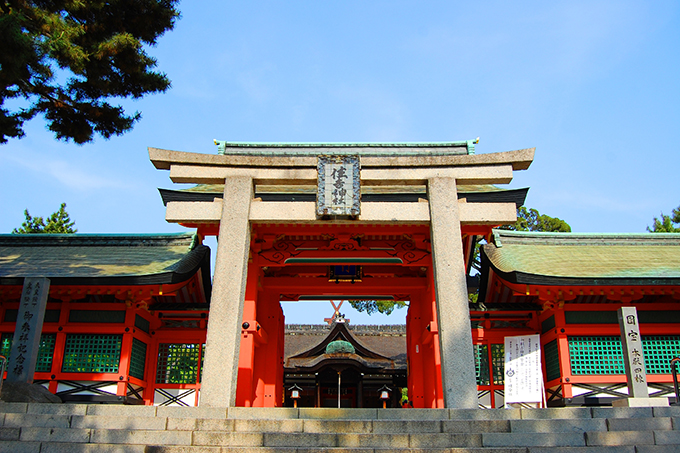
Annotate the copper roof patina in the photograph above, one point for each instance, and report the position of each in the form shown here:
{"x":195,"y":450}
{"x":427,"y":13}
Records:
{"x":100,"y":259}
{"x":339,"y":148}
{"x":584,"y":259}
{"x":382,"y":346}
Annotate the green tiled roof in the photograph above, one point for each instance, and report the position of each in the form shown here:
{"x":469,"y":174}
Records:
{"x":92,"y":259}
{"x":585,"y":259}
{"x":362,"y":149}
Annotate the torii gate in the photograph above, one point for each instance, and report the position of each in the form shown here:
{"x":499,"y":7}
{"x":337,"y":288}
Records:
{"x":441,"y":167}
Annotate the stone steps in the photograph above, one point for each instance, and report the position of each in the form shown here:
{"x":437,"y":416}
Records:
{"x":74,"y":428}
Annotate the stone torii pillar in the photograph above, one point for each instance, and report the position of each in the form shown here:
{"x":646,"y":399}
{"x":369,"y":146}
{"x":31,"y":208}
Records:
{"x":453,"y":314}
{"x":220,"y":371}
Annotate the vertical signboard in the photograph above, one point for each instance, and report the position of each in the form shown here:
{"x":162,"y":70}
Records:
{"x":26,"y":342}
{"x":523,"y":374}
{"x":339,"y":186}
{"x":633,"y":355}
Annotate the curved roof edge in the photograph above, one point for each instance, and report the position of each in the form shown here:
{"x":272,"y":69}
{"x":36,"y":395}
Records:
{"x":570,"y":239}
{"x":104,"y":259}
{"x":582,"y":259}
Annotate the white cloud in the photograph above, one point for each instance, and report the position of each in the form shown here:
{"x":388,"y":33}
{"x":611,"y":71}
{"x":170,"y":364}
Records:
{"x":67,"y":173}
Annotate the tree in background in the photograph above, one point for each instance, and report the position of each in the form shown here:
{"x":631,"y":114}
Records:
{"x":527,"y":220}
{"x":57,"y":223}
{"x":532,"y":220}
{"x":66,"y":59}
{"x":667,"y":223}
{"x":385,"y":307}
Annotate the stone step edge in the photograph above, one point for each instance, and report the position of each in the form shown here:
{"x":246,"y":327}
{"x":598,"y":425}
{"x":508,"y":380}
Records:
{"x":139,"y":448}
{"x":346,"y":414}
{"x":142,"y":433}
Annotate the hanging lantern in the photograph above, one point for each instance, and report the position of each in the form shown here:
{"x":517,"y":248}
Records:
{"x":384,"y":395}
{"x":295,"y":393}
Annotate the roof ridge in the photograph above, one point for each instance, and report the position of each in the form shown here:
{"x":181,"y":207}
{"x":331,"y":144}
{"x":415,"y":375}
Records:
{"x":42,"y":239}
{"x":343,"y":144}
{"x":510,"y":235}
{"x":225,"y":147}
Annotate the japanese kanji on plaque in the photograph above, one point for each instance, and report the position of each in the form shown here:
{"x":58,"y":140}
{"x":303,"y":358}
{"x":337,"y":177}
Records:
{"x":339,"y":186}
{"x":523,"y":375}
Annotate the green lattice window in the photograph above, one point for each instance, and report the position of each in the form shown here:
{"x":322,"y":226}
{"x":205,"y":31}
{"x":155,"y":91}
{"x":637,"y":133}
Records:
{"x":482,"y":364}
{"x":177,"y":363}
{"x":498,"y":363}
{"x":200,"y":374}
{"x":659,"y":350}
{"x":85,"y":353}
{"x":603,"y":355}
{"x":43,"y":363}
{"x":596,"y":355}
{"x":6,"y":344}
{"x":137,"y":359}
{"x":552,"y":361}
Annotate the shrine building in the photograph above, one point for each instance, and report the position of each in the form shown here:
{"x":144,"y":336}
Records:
{"x":136,"y":319}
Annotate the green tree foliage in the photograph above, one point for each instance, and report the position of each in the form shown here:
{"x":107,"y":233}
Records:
{"x":57,"y":223}
{"x":532,"y":220}
{"x":68,"y":59}
{"x":528,"y":220}
{"x":385,"y":307}
{"x":667,"y":223}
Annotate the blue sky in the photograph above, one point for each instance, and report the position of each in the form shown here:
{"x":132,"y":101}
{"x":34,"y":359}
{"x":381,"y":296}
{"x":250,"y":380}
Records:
{"x":592,"y":85}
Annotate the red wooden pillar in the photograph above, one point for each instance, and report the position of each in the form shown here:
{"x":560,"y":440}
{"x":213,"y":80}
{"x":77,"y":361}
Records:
{"x":268,"y":369}
{"x":59,"y":346}
{"x":436,"y":353}
{"x":246,"y":361}
{"x":281,"y":336}
{"x":563,"y":349}
{"x":414,"y":329}
{"x":150,"y":371}
{"x":433,"y":395}
{"x":125,"y":353}
{"x":424,"y":358}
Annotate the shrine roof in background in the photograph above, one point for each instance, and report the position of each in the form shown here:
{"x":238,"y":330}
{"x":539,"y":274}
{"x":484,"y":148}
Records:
{"x":386,"y":341}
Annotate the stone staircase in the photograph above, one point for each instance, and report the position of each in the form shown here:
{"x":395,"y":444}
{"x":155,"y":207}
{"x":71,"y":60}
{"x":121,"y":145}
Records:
{"x":75,"y":428}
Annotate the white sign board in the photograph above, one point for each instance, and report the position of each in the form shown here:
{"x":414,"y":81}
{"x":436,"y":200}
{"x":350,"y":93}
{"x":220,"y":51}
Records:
{"x":523,"y":374}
